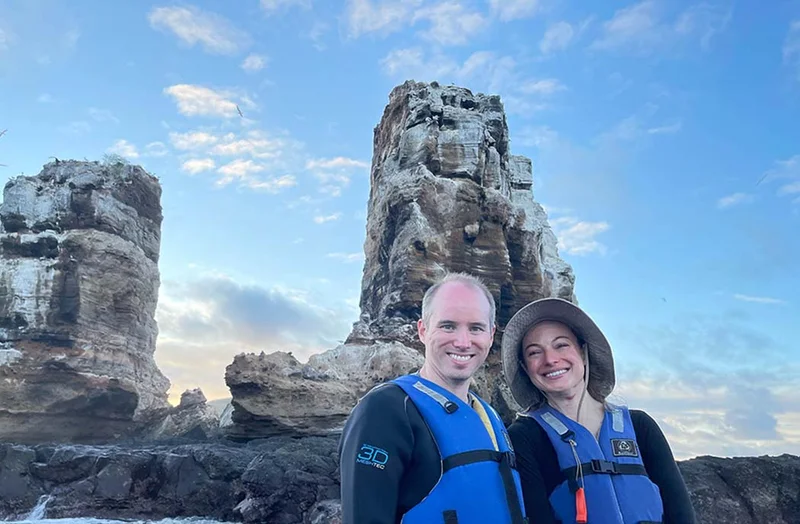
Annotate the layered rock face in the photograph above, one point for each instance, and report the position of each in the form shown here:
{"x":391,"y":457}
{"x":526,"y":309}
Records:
{"x":192,"y":418}
{"x":445,"y":193}
{"x":79,"y":279}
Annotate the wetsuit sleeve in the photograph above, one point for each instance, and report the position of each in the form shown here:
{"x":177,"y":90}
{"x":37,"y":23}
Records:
{"x":663,"y":470}
{"x":534,"y":489}
{"x":374,"y":451}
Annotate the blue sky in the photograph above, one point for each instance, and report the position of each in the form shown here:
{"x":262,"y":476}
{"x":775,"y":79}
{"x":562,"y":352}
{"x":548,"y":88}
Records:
{"x":664,"y":139}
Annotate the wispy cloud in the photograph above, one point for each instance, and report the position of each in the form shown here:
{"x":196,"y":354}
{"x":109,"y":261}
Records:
{"x":783,"y":171}
{"x":758,"y":300}
{"x":346,"y":257}
{"x":337,"y":162}
{"x":192,"y":140}
{"x":577,"y":237}
{"x":733,"y":200}
{"x":198,"y":165}
{"x":156,"y":149}
{"x":545,"y":87}
{"x":254,"y":63}
{"x":102,"y":115}
{"x":386,"y":16}
{"x":124,"y":149}
{"x":6,"y":39}
{"x":322,"y":219}
{"x":195,"y":100}
{"x":451,"y":23}
{"x":271,"y":6}
{"x":193,"y":26}
{"x":791,"y":46}
{"x":507,"y":10}
{"x":45,"y":98}
{"x":667,"y":129}
{"x":557,"y":37}
{"x":641,"y":28}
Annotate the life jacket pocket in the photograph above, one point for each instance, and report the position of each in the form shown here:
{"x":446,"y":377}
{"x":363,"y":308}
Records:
{"x":450,"y":516}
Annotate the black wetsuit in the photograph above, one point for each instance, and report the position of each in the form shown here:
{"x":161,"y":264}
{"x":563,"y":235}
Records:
{"x":387,"y":419}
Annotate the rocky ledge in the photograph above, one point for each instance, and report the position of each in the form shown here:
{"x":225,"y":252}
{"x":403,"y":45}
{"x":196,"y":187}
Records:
{"x":282,"y":480}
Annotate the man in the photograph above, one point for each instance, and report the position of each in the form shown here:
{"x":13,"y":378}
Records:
{"x":423,"y":449}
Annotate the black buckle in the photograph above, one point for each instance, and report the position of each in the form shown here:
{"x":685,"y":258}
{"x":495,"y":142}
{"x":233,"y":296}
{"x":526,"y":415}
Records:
{"x":604,"y":466}
{"x":511,"y":459}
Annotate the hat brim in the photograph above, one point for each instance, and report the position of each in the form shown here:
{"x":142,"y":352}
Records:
{"x":601,"y":360}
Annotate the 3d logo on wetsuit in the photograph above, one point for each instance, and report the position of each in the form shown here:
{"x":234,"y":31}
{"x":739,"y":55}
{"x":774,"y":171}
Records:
{"x":372,"y":456}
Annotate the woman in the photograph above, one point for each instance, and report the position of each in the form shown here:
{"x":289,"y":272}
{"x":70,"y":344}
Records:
{"x":580,"y":458}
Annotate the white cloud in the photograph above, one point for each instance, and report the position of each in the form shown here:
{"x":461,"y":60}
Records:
{"x":667,"y":129}
{"x":734,"y":199}
{"x":79,"y":127}
{"x":45,"y":98}
{"x":759,"y":300}
{"x":544,"y":87}
{"x":577,"y":237}
{"x":387,"y":16}
{"x":346,"y":257}
{"x":124,"y":149}
{"x":274,"y":5}
{"x":791,"y":46}
{"x":539,"y":136}
{"x":514,"y":9}
{"x":243,"y":170}
{"x":337,"y":162}
{"x":785,"y":170}
{"x":198,"y":165}
{"x":705,"y":20}
{"x":5,"y":40}
{"x":271,"y":185}
{"x":557,"y":37}
{"x":321,"y":219}
{"x":192,"y":140}
{"x":636,"y":24}
{"x":194,"y":26}
{"x":194,"y":100}
{"x":315,"y":34}
{"x":450,"y":23}
{"x":254,"y":62}
{"x":102,"y":115}
{"x":790,"y":189}
{"x":640,"y":28}
{"x":156,"y":149}
{"x":255,"y":143}
{"x":238,"y":168}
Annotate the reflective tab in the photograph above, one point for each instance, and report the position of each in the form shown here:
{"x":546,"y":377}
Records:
{"x":556,"y":424}
{"x":618,"y":422}
{"x":438,"y":397}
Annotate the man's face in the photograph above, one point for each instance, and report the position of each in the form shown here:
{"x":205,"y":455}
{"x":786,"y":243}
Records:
{"x":458,"y":335}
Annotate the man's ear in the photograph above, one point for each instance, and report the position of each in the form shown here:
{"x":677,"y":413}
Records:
{"x":421,"y":330}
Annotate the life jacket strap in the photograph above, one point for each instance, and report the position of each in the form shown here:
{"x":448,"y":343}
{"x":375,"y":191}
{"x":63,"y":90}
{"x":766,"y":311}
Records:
{"x":507,"y":462}
{"x":600,"y":467}
{"x":448,"y":405}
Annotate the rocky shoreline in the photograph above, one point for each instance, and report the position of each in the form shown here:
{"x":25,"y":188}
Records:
{"x":283,"y":480}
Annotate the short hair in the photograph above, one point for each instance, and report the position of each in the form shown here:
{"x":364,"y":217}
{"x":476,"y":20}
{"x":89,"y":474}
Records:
{"x":462,"y":278}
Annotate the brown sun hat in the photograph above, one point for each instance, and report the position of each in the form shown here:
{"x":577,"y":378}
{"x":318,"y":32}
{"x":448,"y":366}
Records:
{"x":601,"y":361}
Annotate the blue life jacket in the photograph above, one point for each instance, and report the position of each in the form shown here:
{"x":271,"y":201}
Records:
{"x":616,"y":486}
{"x":478,"y":484}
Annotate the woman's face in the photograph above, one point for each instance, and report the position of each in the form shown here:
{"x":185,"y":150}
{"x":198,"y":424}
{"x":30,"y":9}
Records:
{"x":553,"y":359}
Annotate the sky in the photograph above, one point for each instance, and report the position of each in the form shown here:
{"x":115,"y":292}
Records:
{"x":665,"y":140}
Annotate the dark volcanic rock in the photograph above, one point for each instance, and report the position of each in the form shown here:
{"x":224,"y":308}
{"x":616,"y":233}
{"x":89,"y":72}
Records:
{"x":284,"y":480}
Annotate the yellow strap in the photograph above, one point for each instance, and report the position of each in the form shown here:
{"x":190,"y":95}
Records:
{"x":478,"y":407}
